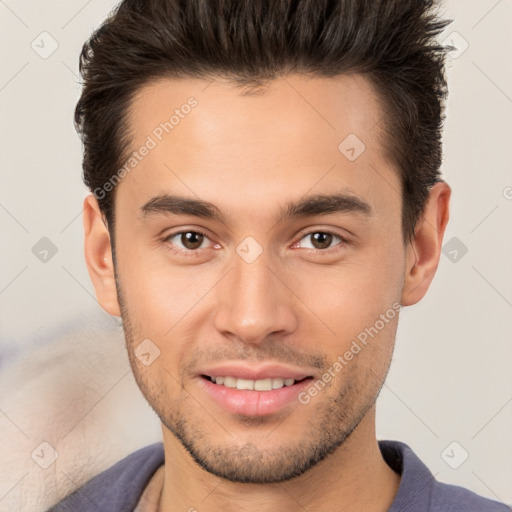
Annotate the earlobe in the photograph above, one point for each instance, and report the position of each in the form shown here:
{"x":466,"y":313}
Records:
{"x":424,"y":251}
{"x":98,"y":256}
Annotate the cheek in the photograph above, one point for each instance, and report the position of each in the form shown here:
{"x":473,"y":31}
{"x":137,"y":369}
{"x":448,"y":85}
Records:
{"x":158,"y":294}
{"x":351,"y":297}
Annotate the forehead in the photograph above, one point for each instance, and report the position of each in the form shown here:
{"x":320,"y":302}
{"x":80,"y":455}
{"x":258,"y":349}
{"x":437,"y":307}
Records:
{"x":295,"y":105}
{"x":295,"y":135}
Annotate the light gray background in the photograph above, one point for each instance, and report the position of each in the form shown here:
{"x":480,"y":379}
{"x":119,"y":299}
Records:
{"x":64,"y":376}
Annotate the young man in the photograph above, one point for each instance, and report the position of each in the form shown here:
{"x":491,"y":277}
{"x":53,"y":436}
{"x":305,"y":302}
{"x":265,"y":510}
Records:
{"x":265,"y":198}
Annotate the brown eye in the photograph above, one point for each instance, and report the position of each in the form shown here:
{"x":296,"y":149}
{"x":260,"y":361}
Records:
{"x":186,"y":242}
{"x":191,"y":239}
{"x":321,"y":240}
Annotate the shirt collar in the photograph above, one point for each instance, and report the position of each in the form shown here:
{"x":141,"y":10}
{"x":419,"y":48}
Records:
{"x":416,"y":483}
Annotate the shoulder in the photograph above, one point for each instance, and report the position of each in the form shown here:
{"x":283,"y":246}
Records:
{"x":452,"y":498}
{"x":118,"y":488}
{"x":421,"y":492}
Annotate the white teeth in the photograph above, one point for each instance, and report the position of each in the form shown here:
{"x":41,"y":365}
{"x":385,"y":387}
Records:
{"x":253,"y":385}
{"x":263,"y":385}
{"x":245,"y":384}
{"x":230,"y":382}
{"x":277,"y":383}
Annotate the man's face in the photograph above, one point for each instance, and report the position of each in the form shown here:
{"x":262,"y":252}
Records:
{"x":257,"y":293}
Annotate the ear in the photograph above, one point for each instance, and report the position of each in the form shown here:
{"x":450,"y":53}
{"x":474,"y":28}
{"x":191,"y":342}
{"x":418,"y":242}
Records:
{"x":424,"y":251}
{"x":98,"y":256}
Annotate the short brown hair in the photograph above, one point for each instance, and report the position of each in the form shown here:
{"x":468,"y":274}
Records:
{"x":393,"y":42}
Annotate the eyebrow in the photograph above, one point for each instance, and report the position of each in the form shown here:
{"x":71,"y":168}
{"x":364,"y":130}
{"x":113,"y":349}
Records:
{"x":319,"y":204}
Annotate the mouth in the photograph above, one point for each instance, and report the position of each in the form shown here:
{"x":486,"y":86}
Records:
{"x":253,"y":397}
{"x":267,"y":384}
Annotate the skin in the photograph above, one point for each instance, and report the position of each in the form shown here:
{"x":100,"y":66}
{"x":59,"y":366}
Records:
{"x":248,"y":155}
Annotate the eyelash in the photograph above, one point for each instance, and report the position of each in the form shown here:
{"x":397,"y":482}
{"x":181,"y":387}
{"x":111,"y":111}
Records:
{"x":197,"y":252}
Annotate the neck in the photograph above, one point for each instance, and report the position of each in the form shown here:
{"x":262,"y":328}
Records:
{"x":354,"y":477}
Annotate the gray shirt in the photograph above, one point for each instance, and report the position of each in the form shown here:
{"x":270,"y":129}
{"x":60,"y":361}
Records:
{"x":119,"y":488}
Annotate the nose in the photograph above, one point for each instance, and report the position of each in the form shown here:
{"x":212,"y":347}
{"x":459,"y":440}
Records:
{"x":254,"y":303}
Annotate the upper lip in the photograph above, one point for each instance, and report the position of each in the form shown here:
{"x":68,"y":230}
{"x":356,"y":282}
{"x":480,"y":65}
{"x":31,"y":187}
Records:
{"x":255,"y":372}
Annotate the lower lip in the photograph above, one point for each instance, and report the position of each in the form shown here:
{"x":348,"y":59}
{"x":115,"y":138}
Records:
{"x":253,"y":403}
